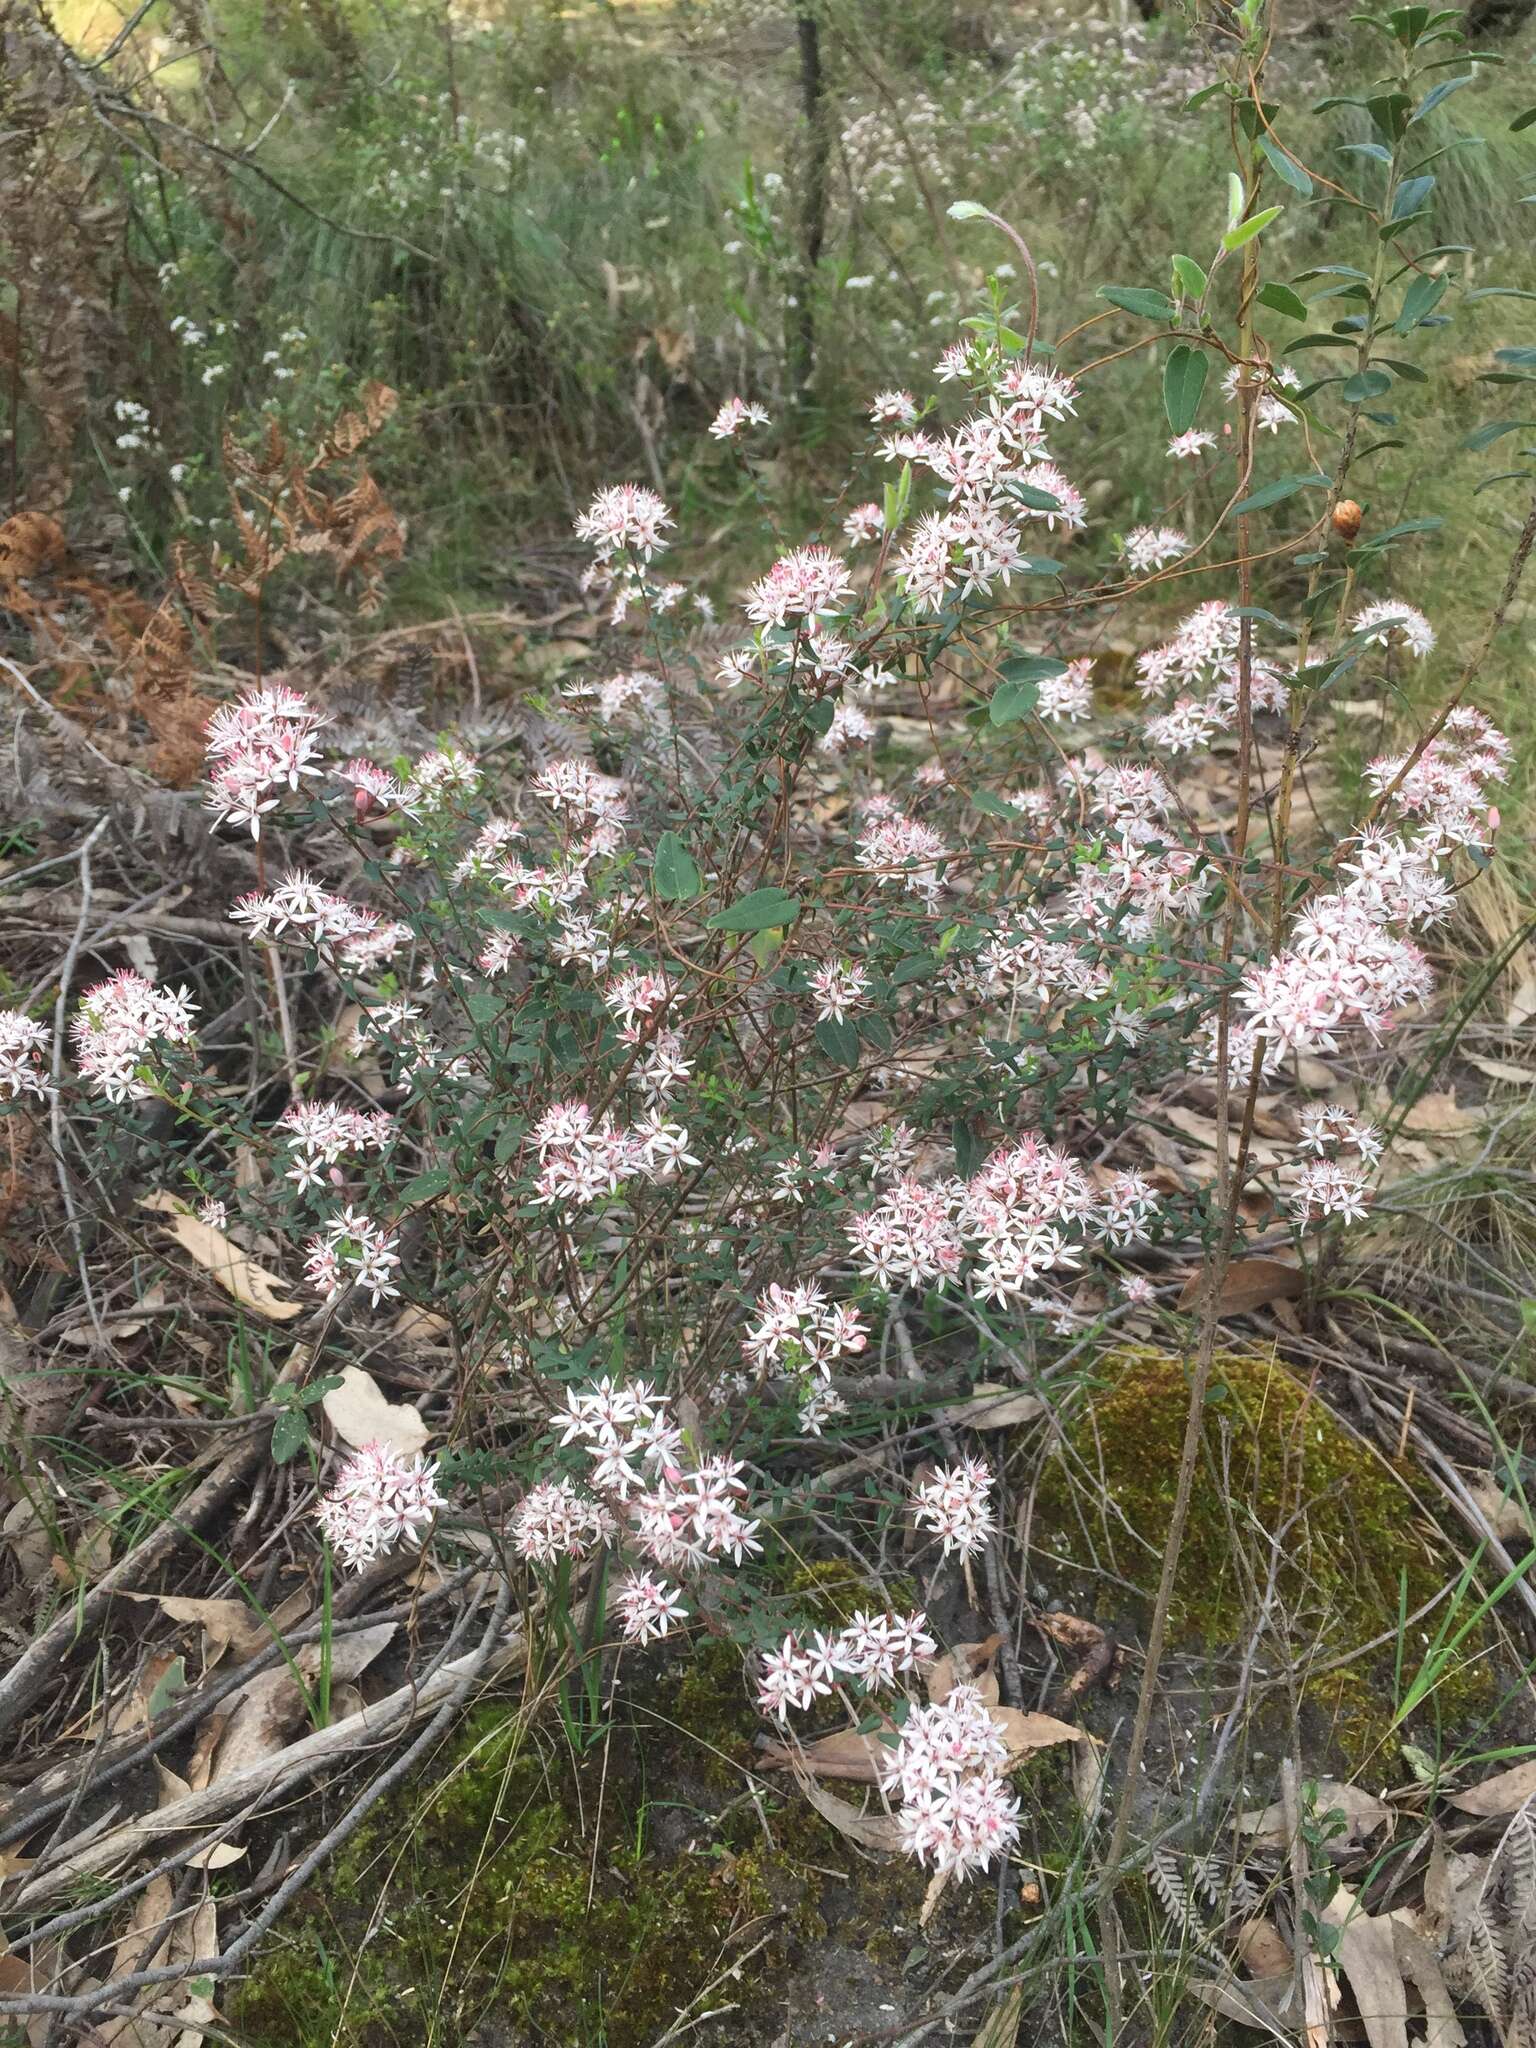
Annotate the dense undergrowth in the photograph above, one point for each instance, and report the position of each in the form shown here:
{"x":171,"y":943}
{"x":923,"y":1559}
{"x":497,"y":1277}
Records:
{"x":785,"y":1027}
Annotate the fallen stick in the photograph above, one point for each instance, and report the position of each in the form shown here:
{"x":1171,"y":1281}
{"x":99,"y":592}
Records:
{"x":271,"y":1776}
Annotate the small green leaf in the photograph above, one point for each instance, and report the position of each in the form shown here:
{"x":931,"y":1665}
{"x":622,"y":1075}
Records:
{"x":1036,"y":499}
{"x":1523,"y":121}
{"x":1245,"y":230}
{"x":1283,"y":487}
{"x":1188,"y":277}
{"x":674,"y":872}
{"x":1364,"y":386}
{"x":435,"y":1181}
{"x":759,"y":911}
{"x":1013,"y":700}
{"x":967,"y":209}
{"x":1411,"y":196}
{"x":840,"y":1042}
{"x":1138,"y":299}
{"x":1281,"y":299}
{"x":1390,"y":111}
{"x":1494,"y":430}
{"x":290,"y":1433}
{"x":170,"y":1682}
{"x":1031,"y":668}
{"x":1442,"y":91}
{"x":1290,"y":173}
{"x":1420,"y":299}
{"x":1184,"y":376}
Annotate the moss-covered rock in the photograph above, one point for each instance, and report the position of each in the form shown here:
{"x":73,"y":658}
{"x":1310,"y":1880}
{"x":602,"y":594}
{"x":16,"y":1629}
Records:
{"x":1280,"y":1482}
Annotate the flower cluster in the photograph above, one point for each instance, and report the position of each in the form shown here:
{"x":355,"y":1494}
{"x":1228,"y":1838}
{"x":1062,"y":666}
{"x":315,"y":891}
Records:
{"x":873,"y":1651}
{"x":798,"y":1331}
{"x":1328,"y":1184}
{"x":353,"y":1250}
{"x":381,"y":1497}
{"x":305,"y":912}
{"x":956,"y":1504}
{"x":584,"y":1158}
{"x":318,"y":1134}
{"x":735,"y":414}
{"x":119,"y":1024}
{"x":896,"y":848}
{"x":640,"y":1494}
{"x":956,"y":1811}
{"x":1032,"y":1209}
{"x":259,"y":749}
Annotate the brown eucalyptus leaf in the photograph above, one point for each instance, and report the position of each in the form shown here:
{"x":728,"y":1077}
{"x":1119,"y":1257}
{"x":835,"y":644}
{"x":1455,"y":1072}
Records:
{"x":360,"y":1414}
{"x":869,"y":1830}
{"x":1367,"y":1955}
{"x":1264,"y":1950}
{"x":1502,"y":1070}
{"x":272,"y":1705}
{"x":1025,"y":1733}
{"x":224,"y":1262}
{"x":1505,"y":1792}
{"x":1070,"y":1630}
{"x":992,"y":1407}
{"x":965,"y":1664}
{"x":1420,"y":1966}
{"x":1248,"y":1284}
{"x":1262,"y":2002}
{"x":1000,"y":2029}
{"x":848,"y":1755}
{"x":1364,"y":1814}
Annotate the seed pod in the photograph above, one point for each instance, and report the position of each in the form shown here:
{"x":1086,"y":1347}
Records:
{"x":1346,"y":518}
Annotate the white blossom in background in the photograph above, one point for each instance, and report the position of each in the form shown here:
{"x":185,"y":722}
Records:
{"x":23,"y":1041}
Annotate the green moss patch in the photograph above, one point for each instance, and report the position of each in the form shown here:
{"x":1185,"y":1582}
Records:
{"x":530,"y":1891}
{"x":1280,"y":1483}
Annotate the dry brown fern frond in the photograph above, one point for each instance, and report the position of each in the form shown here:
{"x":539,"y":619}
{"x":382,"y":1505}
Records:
{"x":153,"y":647}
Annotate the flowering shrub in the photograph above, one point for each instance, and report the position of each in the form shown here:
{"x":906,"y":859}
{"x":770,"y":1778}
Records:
{"x":675,"y":1085}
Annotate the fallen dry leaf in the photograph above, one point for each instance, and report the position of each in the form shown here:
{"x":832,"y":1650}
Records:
{"x":1364,"y":1814}
{"x":1522,"y":1004}
{"x":1438,"y":1116}
{"x":1503,"y":1513}
{"x":1070,"y":1630}
{"x":359,"y":1413}
{"x":1367,"y":1954}
{"x":1502,"y":1070}
{"x":1248,"y":1284}
{"x":992,"y":1407}
{"x":1025,"y":1733}
{"x":421,"y":1327}
{"x":1000,"y":2029}
{"x":238,"y":1274}
{"x":1417,"y":1961}
{"x":869,"y":1830}
{"x":965,"y":1664}
{"x":1504,"y":1792}
{"x":218,"y":1855}
{"x":226,"y":1624}
{"x":1262,"y":2002}
{"x":847,"y":1755}
{"x":1263,"y":1949}
{"x":272,"y":1704}
{"x":30,"y":1544}
{"x":1193,"y":1123}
